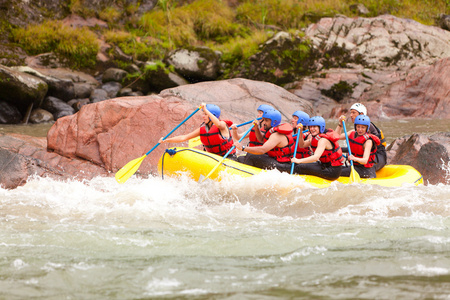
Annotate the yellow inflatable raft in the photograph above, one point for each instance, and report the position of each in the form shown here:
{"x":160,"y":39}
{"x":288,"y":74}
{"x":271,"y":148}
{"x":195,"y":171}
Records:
{"x":197,"y":164}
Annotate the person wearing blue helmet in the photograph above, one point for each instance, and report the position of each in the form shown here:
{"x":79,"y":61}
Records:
{"x":277,"y":147}
{"x":299,"y":121}
{"x":363,"y":146}
{"x":255,"y":137}
{"x":326,"y":160}
{"x":358,"y":109}
{"x":214,"y":133}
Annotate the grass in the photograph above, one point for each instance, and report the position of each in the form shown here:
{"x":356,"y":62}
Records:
{"x":79,"y":47}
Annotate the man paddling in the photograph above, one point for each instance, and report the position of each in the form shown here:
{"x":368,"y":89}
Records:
{"x":278,"y":145}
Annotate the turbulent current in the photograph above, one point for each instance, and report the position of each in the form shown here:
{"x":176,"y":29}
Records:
{"x":266,"y":237}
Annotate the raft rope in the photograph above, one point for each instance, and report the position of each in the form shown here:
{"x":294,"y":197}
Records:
{"x":174,"y":151}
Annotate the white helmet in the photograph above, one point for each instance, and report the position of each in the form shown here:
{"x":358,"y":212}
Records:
{"x":359,"y":108}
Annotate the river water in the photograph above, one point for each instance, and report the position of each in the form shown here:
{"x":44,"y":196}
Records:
{"x":266,"y":237}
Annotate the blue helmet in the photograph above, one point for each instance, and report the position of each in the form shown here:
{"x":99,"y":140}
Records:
{"x":264,"y":107}
{"x":274,"y":115}
{"x":302,"y":117}
{"x":362,"y":120}
{"x":214,"y":109}
{"x":318,"y":121}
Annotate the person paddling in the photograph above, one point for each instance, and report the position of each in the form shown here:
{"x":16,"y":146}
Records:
{"x":277,"y":147}
{"x":256,"y":135}
{"x":326,"y":161}
{"x":300,"y":117}
{"x":363,"y":146}
{"x":359,"y":109}
{"x":214,"y":133}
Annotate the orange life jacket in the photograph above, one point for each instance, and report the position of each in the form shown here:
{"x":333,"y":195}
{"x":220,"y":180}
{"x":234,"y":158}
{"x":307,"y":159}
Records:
{"x":282,"y":154}
{"x":357,"y":146}
{"x":333,"y":156}
{"x":214,"y":142}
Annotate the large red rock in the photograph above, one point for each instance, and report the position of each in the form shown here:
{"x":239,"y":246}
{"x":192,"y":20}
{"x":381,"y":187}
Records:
{"x":22,"y":156}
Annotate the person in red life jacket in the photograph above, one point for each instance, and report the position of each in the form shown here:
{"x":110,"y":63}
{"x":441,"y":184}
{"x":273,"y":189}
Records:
{"x":359,"y":109}
{"x":256,"y":135}
{"x":301,"y":119}
{"x":214,"y":133}
{"x":363,"y":146}
{"x":276,"y":151}
{"x":326,"y":161}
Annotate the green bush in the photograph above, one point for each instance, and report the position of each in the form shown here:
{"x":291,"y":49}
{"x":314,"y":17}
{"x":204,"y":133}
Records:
{"x":78,"y":46}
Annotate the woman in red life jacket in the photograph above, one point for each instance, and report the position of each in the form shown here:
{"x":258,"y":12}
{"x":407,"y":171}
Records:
{"x":276,"y":151}
{"x":326,"y":161}
{"x":358,"y":109}
{"x":214,"y":133}
{"x":300,"y":117}
{"x":363,"y":146}
{"x":256,"y":135}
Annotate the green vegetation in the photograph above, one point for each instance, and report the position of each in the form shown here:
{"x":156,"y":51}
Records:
{"x":236,"y":31}
{"x":78,"y":46}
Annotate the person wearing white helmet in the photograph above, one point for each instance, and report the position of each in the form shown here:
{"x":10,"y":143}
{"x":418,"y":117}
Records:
{"x":214,"y":133}
{"x":359,"y":109}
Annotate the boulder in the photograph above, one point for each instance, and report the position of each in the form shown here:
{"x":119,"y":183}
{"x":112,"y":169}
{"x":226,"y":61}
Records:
{"x":59,"y":88}
{"x":21,"y":89}
{"x":112,"y":88}
{"x":24,"y":156}
{"x":196,"y":64}
{"x":381,"y":42}
{"x":429,"y":154}
{"x":40,"y":116}
{"x":57,"y":107}
{"x":9,"y":114}
{"x":114,"y":74}
{"x":98,"y":95}
{"x":160,"y":78}
{"x":420,"y":92}
{"x":113,"y":132}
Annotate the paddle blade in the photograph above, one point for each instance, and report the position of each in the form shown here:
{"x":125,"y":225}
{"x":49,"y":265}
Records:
{"x":354,"y":176}
{"x":212,"y":171}
{"x":129,"y":169}
{"x":194,"y":142}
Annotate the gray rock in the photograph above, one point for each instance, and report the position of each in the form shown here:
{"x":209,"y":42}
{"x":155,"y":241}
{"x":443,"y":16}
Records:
{"x":98,"y":95}
{"x":112,"y":88}
{"x":444,"y":22}
{"x":21,"y":89}
{"x":57,"y":107}
{"x":114,"y":74}
{"x":40,"y":116}
{"x":197,"y":64}
{"x":9,"y":114}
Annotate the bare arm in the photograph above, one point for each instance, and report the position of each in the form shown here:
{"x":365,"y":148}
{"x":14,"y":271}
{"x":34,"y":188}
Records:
{"x":258,"y":133}
{"x":181,"y":138}
{"x":234,"y":133}
{"x":317,"y":154}
{"x":367,"y":147}
{"x":271,"y":143}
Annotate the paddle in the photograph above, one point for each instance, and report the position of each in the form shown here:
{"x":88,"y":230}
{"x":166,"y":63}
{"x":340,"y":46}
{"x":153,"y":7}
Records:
{"x":229,"y":151}
{"x":354,"y":176}
{"x":130,"y":168}
{"x":295,"y":152}
{"x":194,"y":142}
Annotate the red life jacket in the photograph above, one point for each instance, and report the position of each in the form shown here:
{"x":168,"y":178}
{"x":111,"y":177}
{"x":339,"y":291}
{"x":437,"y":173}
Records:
{"x":333,"y":156}
{"x":214,"y":142}
{"x":253,"y":140}
{"x":305,"y":151}
{"x":282,"y":154}
{"x":357,"y":146}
